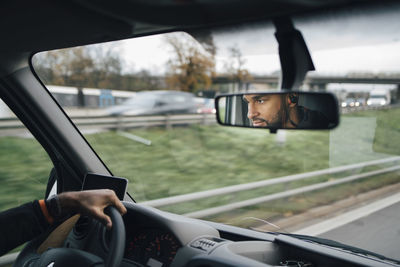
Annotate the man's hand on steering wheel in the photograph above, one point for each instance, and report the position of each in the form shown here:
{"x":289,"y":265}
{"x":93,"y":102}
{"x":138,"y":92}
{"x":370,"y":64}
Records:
{"x":93,"y":203}
{"x":90,"y":202}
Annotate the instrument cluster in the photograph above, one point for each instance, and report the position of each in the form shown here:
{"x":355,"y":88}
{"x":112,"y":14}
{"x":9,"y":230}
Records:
{"x":151,"y":247}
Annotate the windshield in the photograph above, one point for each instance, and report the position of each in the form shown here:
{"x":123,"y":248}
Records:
{"x":318,"y":183}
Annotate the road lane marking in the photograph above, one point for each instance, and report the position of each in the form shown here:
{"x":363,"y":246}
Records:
{"x":348,"y":217}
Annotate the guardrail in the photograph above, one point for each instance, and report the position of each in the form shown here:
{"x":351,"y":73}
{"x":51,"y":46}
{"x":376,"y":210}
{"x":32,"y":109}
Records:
{"x":279,"y":180}
{"x":289,"y":193}
{"x":123,"y":122}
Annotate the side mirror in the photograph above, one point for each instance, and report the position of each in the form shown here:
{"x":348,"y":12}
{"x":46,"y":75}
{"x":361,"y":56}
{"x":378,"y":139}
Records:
{"x":278,"y":110}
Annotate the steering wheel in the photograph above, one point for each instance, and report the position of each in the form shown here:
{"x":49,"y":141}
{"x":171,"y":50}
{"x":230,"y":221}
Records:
{"x":75,"y":257}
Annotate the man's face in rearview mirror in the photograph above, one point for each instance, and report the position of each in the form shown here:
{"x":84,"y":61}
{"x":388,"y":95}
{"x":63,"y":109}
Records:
{"x":281,"y":111}
{"x":264,"y":110}
{"x":275,"y":110}
{"x":272,"y":110}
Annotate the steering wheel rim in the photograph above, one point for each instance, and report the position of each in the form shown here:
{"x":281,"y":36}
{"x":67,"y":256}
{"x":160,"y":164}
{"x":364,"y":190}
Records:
{"x":117,"y":243}
{"x":69,"y":256}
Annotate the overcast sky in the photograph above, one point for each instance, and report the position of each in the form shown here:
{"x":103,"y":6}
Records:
{"x":365,"y":43}
{"x":151,"y":53}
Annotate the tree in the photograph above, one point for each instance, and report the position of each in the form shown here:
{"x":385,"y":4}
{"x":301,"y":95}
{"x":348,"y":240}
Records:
{"x":235,"y":66}
{"x":96,"y":66}
{"x":107,"y":69}
{"x":192,"y":67}
{"x":65,"y":67}
{"x":84,"y":66}
{"x":142,"y":80}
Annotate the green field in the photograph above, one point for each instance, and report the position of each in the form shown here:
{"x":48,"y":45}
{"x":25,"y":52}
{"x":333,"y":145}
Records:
{"x":188,"y":159}
{"x":24,"y":171}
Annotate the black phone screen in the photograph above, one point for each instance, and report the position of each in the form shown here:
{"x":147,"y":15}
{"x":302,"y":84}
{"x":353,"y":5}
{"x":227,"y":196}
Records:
{"x":96,"y":181}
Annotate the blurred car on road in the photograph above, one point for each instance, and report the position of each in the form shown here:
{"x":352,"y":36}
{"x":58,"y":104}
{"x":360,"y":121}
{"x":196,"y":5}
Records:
{"x":207,"y":107}
{"x":156,"y":103}
{"x":349,"y":102}
{"x":360,"y":102}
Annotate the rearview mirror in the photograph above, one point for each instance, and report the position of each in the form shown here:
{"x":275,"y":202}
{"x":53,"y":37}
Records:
{"x":278,"y":110}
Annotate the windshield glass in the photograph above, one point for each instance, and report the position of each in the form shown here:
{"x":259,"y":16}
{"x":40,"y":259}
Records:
{"x":319,"y":183}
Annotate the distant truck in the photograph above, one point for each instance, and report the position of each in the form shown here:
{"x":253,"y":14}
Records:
{"x":379,"y":97}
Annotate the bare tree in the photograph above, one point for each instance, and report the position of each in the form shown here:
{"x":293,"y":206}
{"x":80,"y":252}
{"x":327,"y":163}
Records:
{"x":235,"y":66}
{"x":84,"y":66}
{"x":107,"y":69}
{"x":97,"y":66}
{"x":69,"y":67}
{"x":192,"y":67}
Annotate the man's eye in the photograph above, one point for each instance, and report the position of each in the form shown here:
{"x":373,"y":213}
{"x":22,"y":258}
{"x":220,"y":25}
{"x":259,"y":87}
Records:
{"x":260,"y":101}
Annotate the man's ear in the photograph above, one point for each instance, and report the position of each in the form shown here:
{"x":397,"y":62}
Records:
{"x":291,"y":100}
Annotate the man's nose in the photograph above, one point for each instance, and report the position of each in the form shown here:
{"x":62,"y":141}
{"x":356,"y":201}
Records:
{"x":252,"y":112}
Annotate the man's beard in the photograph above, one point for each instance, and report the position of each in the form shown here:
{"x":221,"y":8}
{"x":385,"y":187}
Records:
{"x":275,"y":122}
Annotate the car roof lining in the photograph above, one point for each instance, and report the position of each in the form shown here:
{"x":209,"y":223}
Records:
{"x":47,"y":25}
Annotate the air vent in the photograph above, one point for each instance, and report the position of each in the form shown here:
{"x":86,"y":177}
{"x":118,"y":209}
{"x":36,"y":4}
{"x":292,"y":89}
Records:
{"x":206,"y":244}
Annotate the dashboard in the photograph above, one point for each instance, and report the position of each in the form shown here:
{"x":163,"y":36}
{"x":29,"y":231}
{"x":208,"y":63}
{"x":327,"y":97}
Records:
{"x":151,"y":246}
{"x":157,"y":239}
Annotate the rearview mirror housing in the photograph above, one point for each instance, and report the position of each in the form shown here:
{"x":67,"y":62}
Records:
{"x":278,"y":110}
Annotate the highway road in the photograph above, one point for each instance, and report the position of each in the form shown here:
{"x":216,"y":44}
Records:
{"x":378,"y":232}
{"x":374,"y":227}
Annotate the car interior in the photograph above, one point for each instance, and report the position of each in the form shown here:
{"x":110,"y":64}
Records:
{"x":149,"y":236}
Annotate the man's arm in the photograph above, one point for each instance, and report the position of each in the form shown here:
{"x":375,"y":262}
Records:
{"x":20,"y":224}
{"x":23,"y":223}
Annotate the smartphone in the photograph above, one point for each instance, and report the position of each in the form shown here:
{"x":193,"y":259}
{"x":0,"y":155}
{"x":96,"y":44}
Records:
{"x":97,"y":181}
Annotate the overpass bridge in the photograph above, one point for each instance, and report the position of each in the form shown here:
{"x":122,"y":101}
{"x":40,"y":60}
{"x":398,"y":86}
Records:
{"x":316,"y":82}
